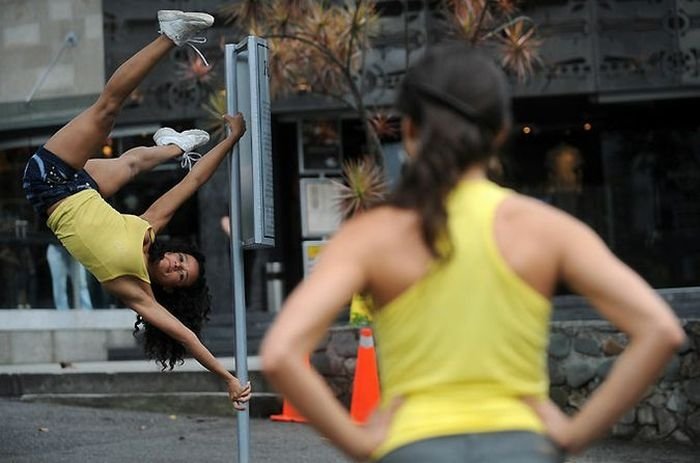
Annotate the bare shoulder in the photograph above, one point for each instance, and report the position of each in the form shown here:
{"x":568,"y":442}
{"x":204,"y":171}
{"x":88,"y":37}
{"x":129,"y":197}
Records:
{"x":534,"y":238}
{"x":522,"y":210}
{"x":379,"y":225}
{"x":386,"y":246}
{"x":525,"y":221}
{"x":521,"y":205}
{"x":370,"y":235}
{"x":390,"y":217}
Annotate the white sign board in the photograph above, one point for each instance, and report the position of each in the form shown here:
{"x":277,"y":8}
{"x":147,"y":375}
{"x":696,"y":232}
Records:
{"x":320,"y":214}
{"x":248,"y":92}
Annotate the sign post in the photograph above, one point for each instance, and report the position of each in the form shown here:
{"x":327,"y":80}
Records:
{"x":251,"y":196}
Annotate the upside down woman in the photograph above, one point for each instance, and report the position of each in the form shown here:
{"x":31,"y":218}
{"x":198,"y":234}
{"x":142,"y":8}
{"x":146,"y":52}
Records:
{"x":164,"y":285}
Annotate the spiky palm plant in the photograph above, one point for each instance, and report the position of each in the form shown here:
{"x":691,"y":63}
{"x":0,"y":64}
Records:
{"x":362,"y":188}
{"x":385,"y":124}
{"x":498,"y":23}
{"x":519,"y":50}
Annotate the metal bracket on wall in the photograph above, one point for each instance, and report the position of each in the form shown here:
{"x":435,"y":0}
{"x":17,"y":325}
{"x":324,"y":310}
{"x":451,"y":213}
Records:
{"x":70,"y":41}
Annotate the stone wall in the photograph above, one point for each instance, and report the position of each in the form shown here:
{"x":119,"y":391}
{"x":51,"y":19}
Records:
{"x":581,"y":354}
{"x":33,"y":33}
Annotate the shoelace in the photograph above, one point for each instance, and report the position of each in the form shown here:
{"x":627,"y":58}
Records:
{"x":198,"y":40}
{"x":188,"y":159}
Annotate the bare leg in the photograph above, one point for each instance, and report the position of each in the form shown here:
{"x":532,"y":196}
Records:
{"x":78,"y":140}
{"x":112,"y":174}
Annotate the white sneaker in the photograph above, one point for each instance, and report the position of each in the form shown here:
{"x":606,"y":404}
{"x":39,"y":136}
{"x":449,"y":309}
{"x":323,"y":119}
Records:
{"x":181,"y":27}
{"x":186,"y":141}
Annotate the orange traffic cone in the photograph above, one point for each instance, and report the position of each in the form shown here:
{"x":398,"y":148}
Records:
{"x":365,"y":388}
{"x":289,"y":413}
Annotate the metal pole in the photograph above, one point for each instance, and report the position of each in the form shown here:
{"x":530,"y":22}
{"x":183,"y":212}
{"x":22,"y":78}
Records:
{"x":239,"y":316}
{"x":238,"y":274}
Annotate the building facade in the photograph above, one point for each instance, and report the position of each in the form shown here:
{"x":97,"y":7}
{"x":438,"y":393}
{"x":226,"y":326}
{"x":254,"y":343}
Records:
{"x":606,"y":129}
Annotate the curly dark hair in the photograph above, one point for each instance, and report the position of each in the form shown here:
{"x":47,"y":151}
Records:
{"x":459,"y":100}
{"x":191,"y":305}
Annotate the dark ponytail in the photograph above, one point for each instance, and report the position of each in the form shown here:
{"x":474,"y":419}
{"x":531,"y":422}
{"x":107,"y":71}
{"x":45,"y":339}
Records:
{"x":458,"y":100}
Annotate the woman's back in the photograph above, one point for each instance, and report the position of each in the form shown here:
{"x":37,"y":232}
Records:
{"x":466,"y":336}
{"x":522,"y":229}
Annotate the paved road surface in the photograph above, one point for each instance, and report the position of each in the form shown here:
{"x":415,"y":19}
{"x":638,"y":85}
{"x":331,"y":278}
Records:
{"x":48,"y":433}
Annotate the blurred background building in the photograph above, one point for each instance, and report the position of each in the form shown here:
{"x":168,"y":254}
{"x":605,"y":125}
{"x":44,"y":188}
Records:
{"x":607,"y":128}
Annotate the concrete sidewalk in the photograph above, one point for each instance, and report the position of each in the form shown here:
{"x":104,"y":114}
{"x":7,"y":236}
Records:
{"x":119,"y":366}
{"x":136,"y":385}
{"x":50,"y":433}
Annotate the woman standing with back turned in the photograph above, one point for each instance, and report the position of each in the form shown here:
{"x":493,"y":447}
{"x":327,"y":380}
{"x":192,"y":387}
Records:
{"x":462,"y":272}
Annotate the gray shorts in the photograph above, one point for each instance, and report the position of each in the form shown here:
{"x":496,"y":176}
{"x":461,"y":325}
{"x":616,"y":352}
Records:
{"x":490,"y":447}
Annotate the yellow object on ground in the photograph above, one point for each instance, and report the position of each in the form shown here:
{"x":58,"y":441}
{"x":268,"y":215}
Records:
{"x":361,"y":310}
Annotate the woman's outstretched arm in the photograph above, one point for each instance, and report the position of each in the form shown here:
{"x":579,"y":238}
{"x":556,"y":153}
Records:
{"x":162,"y":210}
{"x":136,"y":296}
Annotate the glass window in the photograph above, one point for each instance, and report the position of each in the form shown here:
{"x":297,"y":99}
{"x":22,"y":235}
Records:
{"x":638,"y":188}
{"x":24,"y":276}
{"x":653,"y":178}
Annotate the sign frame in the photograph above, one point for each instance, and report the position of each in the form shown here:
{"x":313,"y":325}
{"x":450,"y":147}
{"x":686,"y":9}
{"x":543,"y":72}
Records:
{"x":248,"y":92}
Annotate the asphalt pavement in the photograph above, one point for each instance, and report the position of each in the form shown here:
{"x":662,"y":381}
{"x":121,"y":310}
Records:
{"x":51,"y":433}
{"x":43,"y":433}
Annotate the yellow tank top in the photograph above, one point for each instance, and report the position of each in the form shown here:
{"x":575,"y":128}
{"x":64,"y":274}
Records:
{"x":466,"y":341}
{"x":107,"y":243}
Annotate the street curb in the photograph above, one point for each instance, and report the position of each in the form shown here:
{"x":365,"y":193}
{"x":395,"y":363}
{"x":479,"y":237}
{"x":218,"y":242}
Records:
{"x":262,"y":404}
